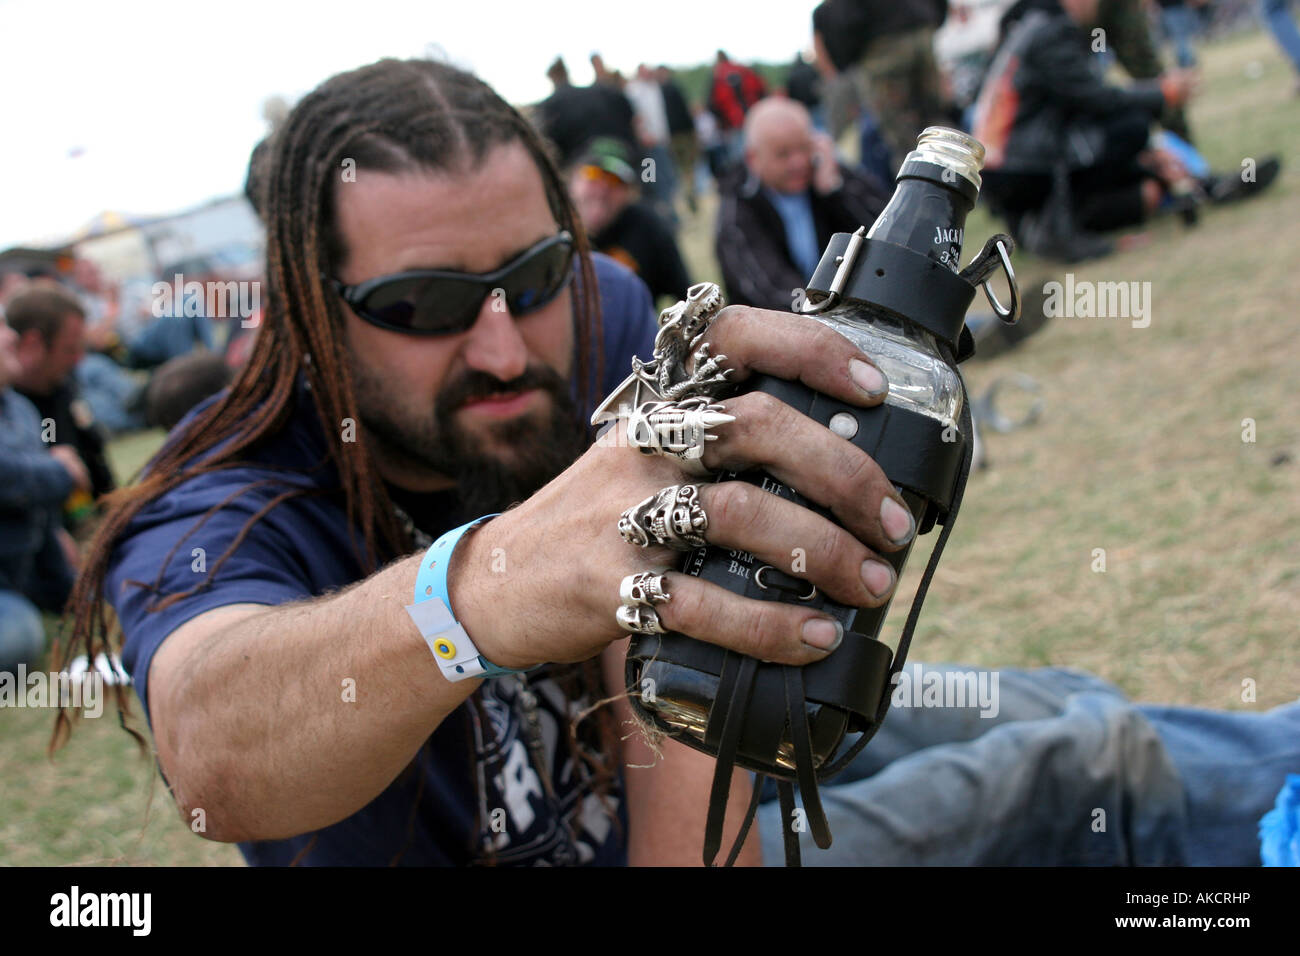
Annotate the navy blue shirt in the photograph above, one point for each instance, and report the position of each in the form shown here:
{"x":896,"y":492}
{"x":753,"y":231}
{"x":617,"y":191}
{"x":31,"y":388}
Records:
{"x":440,"y":809}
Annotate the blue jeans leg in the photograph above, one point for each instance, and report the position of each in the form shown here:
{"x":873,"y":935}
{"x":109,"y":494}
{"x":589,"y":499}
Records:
{"x":22,"y":635}
{"x":1277,"y":16}
{"x":1180,"y":26}
{"x":108,"y":389}
{"x":1021,"y":695}
{"x":1068,"y":772}
{"x":1232,"y":764}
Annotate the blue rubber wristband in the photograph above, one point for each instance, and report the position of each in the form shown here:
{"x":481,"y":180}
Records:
{"x":456,"y":653}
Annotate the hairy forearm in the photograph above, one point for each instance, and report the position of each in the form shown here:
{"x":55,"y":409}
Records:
{"x":292,"y":718}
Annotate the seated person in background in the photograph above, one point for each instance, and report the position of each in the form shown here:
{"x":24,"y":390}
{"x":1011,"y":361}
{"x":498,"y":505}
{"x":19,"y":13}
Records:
{"x":51,"y":328}
{"x":35,"y":551}
{"x":1068,"y":153}
{"x":1128,"y":31}
{"x":779,"y":211}
{"x":604,"y":188}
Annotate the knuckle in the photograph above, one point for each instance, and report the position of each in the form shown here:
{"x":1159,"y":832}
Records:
{"x":730,"y":313}
{"x":859,"y":473}
{"x":784,"y":419}
{"x":838,"y":557}
{"x":687,"y":611}
{"x":822,"y":337}
{"x":829,"y":548}
{"x":771,"y":632}
{"x":748,"y":426}
{"x":767,"y":424}
{"x":766,"y":411}
{"x":729,"y":324}
{"x":731,"y":505}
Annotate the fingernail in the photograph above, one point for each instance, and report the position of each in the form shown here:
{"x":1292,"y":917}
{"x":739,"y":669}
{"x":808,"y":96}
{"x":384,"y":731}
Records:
{"x":868,"y":378}
{"x":823,"y":633}
{"x":897,"y":521}
{"x":878,"y":577}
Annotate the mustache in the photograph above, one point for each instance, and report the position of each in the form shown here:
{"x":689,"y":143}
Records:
{"x":474,"y":384}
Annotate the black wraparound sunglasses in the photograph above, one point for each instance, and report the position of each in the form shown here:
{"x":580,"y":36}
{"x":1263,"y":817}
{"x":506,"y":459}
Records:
{"x":439,"y":302}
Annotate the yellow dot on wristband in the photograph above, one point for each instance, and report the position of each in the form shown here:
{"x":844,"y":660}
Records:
{"x":445,"y":649}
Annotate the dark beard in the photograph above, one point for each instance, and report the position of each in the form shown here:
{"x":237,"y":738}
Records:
{"x":485,"y":482}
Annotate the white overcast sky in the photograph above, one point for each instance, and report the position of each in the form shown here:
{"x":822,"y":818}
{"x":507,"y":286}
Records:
{"x":145,"y":107}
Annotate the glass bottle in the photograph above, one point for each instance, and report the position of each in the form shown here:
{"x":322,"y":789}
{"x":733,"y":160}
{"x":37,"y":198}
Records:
{"x":937,"y":186}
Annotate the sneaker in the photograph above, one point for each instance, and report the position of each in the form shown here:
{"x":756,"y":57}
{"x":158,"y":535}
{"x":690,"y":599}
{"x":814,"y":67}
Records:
{"x":1227,"y":187}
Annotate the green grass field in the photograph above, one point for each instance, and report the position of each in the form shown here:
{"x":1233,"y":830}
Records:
{"x":1139,"y":453}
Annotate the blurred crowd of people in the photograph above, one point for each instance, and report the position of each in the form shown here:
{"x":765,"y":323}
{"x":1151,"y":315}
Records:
{"x":76,"y":369}
{"x":1071,"y":156}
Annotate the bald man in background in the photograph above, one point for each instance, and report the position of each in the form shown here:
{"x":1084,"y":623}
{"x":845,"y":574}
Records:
{"x":781,"y":208}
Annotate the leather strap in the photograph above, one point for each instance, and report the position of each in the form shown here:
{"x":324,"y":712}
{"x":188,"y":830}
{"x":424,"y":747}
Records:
{"x":914,"y":450}
{"x":893,"y":277}
{"x":803,"y":759}
{"x":852,"y":678}
{"x":785,"y":793}
{"x":733,"y":699}
{"x":798,"y":722}
{"x":795,"y":701}
{"x":905,"y":640}
{"x":755,"y":798}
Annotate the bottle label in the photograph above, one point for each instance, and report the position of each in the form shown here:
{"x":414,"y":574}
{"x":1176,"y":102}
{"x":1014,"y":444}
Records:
{"x":949,"y":240}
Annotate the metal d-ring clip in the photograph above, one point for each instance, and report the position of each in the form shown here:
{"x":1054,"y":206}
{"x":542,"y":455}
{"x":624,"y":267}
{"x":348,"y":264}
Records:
{"x":1012,"y":315}
{"x":846,"y":263}
{"x":758,"y":579}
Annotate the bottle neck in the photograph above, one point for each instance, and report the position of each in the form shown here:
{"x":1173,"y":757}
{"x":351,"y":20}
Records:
{"x":927,"y":213}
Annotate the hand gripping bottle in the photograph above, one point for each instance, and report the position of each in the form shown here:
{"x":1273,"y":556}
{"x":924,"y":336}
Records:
{"x":897,"y":293}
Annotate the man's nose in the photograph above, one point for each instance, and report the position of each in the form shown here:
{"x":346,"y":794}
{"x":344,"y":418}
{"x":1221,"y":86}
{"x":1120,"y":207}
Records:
{"x":493,"y":344}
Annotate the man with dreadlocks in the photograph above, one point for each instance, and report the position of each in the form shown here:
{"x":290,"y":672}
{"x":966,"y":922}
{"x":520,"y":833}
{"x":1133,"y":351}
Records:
{"x":434,"y":335}
{"x":425,"y":360}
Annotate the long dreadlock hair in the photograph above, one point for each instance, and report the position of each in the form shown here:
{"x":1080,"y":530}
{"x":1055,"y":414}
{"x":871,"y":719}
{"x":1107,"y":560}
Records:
{"x":390,"y":116}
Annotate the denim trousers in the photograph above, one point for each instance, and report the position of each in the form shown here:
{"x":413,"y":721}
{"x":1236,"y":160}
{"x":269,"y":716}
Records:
{"x":1277,"y":17}
{"x":108,"y":389}
{"x":1181,"y":24}
{"x":1067,"y":772}
{"x":22,"y":635}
